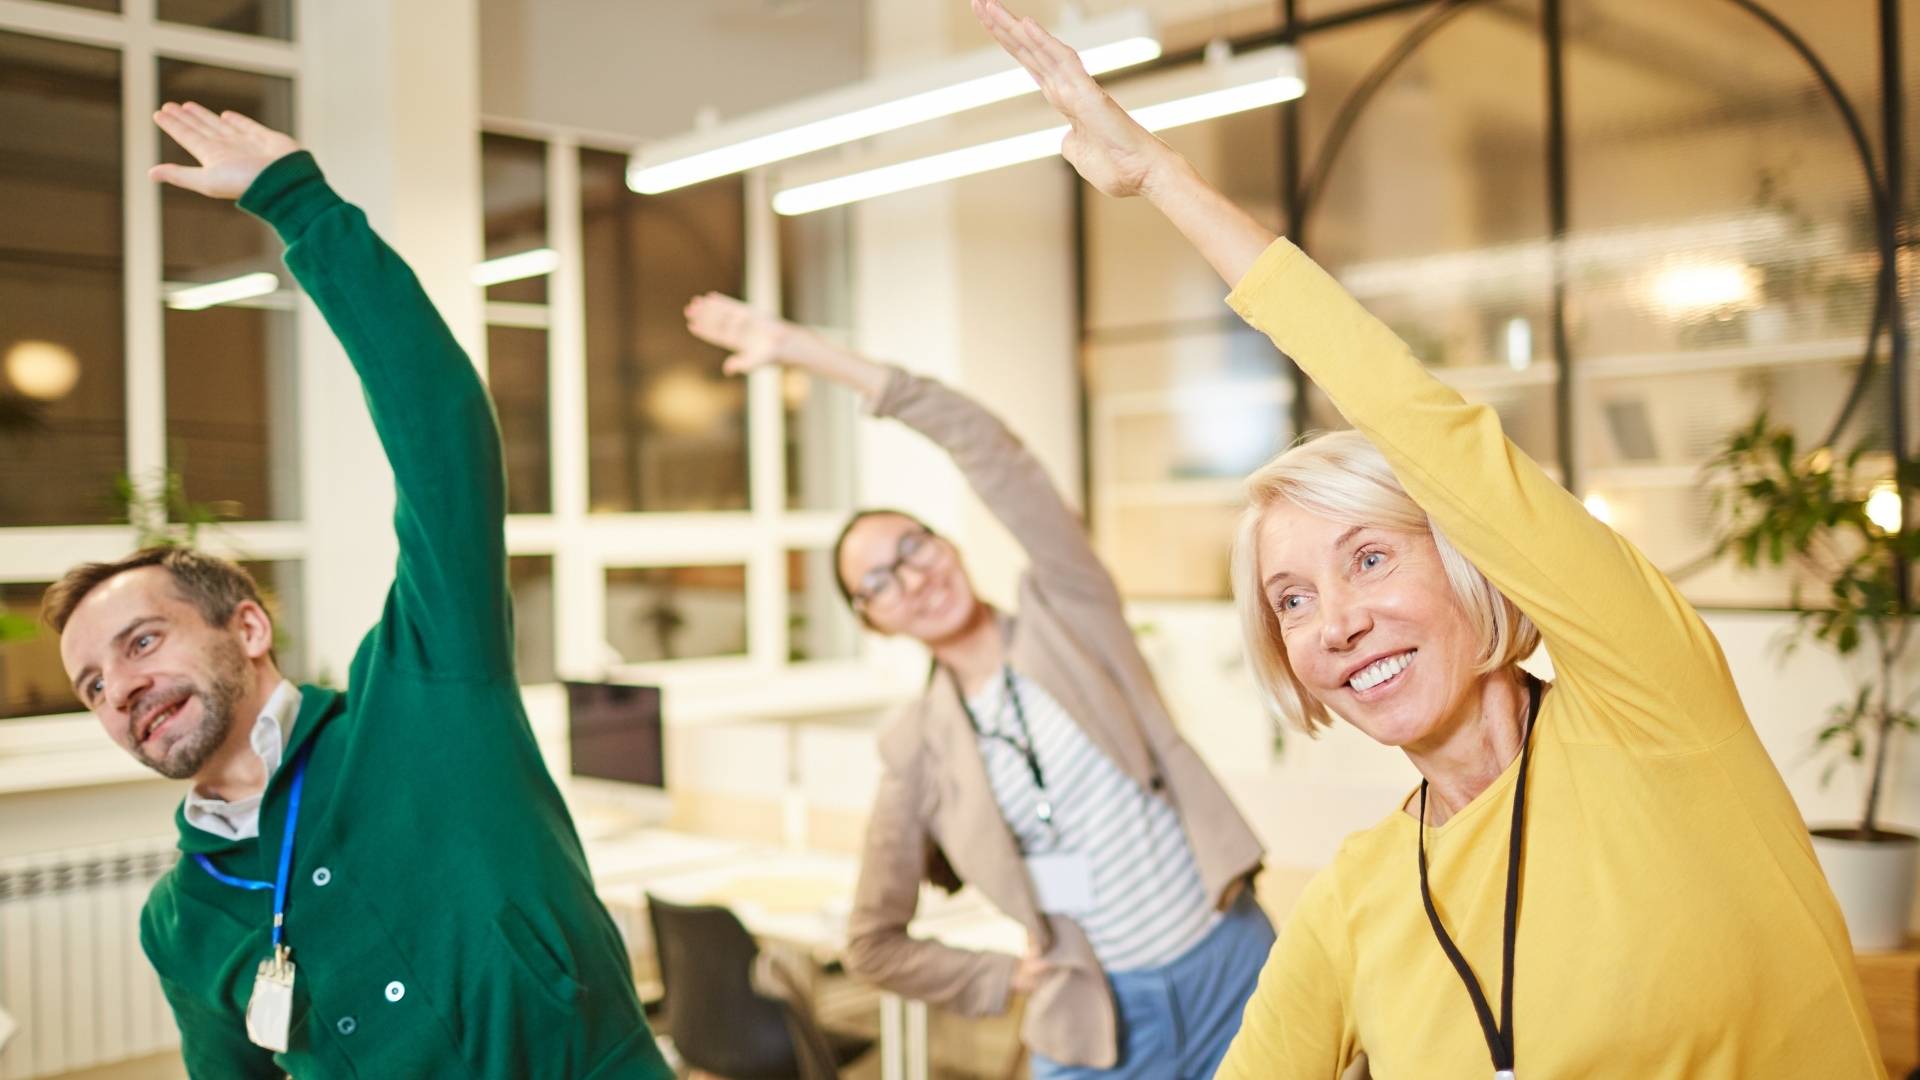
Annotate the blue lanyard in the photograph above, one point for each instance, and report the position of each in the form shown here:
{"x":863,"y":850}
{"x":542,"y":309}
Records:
{"x":279,"y":883}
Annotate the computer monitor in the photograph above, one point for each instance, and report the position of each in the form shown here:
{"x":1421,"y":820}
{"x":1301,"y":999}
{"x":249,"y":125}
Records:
{"x":615,"y":739}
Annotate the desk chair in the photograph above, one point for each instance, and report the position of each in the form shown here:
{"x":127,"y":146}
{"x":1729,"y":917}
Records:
{"x":719,"y":1021}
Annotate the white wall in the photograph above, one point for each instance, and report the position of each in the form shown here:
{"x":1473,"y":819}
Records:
{"x":391,"y":105}
{"x":1789,"y":699}
{"x":84,"y":816}
{"x":644,"y":70}
{"x":972,"y":283}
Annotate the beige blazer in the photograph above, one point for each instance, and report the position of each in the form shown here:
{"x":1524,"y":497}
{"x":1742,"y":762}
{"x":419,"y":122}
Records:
{"x":1071,"y":637}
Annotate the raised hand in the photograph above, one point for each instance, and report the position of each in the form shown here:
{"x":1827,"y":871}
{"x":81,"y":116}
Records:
{"x":232,"y":149}
{"x":1105,"y":145}
{"x":755,"y":338}
{"x":1118,"y":156}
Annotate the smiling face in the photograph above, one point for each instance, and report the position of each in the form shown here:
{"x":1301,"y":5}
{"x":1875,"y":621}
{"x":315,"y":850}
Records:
{"x":162,"y":681}
{"x":929,"y":597}
{"x":1369,"y":623}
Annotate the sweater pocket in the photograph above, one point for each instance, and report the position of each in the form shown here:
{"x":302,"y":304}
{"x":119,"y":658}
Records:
{"x":537,"y":960}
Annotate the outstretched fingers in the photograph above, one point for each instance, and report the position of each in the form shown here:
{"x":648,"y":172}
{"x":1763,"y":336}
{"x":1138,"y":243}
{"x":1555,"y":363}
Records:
{"x":219,"y":134}
{"x":208,"y":120}
{"x":1004,"y":28}
{"x":1059,"y":58}
{"x":246,"y":127}
{"x":701,"y":316}
{"x":231,"y":150}
{"x":185,"y":129}
{"x":179,"y":176}
{"x":720,"y":320}
{"x":1054,"y":65}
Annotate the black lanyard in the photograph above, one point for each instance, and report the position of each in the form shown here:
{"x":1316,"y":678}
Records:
{"x":1024,"y":744}
{"x":1500,"y":1036}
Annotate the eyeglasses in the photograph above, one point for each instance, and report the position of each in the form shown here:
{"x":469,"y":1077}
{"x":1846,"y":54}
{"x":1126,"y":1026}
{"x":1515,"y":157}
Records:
{"x":880,"y":588}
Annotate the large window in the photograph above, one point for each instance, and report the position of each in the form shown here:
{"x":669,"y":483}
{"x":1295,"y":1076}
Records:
{"x":63,"y":422}
{"x":232,"y":421}
{"x":32,"y":681}
{"x":1717,"y":261}
{"x":667,"y":430}
{"x":667,"y":517}
{"x":1183,"y":399}
{"x":531,"y":579}
{"x":815,"y":286}
{"x":125,"y":397}
{"x":266,"y":18}
{"x":1721,"y":261}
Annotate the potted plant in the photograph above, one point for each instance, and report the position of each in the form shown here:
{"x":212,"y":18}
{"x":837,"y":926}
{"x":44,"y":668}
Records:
{"x":161,"y":513}
{"x":1836,"y":522}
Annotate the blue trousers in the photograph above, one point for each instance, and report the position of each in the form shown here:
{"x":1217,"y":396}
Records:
{"x":1176,"y":1021}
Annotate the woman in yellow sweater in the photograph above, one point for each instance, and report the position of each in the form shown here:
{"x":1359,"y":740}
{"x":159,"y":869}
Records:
{"x":1601,"y":877}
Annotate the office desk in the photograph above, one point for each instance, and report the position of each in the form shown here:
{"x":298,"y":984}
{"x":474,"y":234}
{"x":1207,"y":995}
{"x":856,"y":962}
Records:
{"x":802,"y":899}
{"x":642,"y":854}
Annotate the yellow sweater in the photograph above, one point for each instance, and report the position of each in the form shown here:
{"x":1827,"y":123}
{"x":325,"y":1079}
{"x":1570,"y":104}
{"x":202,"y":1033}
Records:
{"x":1673,"y":921}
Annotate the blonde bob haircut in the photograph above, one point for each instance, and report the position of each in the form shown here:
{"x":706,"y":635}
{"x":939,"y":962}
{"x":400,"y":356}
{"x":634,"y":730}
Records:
{"x":1344,"y":478}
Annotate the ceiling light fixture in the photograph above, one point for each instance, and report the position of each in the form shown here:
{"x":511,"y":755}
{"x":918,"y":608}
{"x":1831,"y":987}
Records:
{"x":224,"y":291}
{"x":876,"y":106}
{"x":522,"y":264}
{"x":1205,"y":91}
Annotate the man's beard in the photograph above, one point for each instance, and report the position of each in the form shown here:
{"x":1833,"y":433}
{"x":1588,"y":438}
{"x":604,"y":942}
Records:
{"x":225,"y":685}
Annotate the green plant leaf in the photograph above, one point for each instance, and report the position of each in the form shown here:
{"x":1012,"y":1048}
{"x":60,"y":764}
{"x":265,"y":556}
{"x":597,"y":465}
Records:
{"x":15,"y":627}
{"x":1775,"y":504}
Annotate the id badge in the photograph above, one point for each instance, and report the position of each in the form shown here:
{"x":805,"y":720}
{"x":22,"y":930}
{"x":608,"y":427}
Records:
{"x":1062,"y":881}
{"x":270,"y":1009}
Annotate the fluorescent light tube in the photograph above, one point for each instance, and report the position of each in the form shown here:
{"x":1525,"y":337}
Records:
{"x":1188,"y":102}
{"x":919,"y":172}
{"x":1218,"y":103}
{"x":523,"y":264}
{"x":877,"y":106}
{"x":244,"y":287}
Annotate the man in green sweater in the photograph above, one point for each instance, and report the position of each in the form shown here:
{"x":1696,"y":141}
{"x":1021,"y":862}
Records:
{"x":382,"y":882}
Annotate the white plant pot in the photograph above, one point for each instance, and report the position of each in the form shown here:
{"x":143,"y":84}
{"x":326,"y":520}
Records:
{"x":1873,"y":880}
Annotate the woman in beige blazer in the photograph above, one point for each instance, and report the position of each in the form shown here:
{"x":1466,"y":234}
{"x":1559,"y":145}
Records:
{"x":1040,"y":765}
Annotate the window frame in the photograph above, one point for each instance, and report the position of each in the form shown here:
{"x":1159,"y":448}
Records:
{"x":584,"y":545}
{"x":64,"y":749}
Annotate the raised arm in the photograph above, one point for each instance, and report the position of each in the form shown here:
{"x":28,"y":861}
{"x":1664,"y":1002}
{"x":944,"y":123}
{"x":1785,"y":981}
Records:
{"x":1618,"y":632}
{"x":1118,"y":156}
{"x":1000,"y":469}
{"x":448,"y":612}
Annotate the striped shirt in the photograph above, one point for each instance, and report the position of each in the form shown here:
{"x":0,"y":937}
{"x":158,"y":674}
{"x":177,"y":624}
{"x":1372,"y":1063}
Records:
{"x":1149,"y":905}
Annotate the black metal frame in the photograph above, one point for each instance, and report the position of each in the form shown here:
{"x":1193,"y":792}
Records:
{"x":1893,"y":121}
{"x":1300,"y":191}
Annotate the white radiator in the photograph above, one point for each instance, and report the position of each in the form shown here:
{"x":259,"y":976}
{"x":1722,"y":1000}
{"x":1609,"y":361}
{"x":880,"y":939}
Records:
{"x":71,"y":971}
